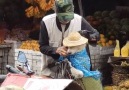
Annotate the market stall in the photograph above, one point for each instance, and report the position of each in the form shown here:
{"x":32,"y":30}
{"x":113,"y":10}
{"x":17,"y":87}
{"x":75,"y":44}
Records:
{"x":20,"y":33}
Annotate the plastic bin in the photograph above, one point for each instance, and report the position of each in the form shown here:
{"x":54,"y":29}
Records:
{"x":99,"y":58}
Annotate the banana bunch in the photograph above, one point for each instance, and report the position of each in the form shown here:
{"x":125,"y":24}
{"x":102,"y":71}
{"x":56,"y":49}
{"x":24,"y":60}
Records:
{"x":34,"y":11}
{"x":30,"y":11}
{"x":38,"y":8}
{"x":39,"y":15}
{"x":45,"y":5}
{"x":28,"y":1}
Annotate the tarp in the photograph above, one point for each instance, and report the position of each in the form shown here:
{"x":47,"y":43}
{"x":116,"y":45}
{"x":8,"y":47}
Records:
{"x":40,"y":83}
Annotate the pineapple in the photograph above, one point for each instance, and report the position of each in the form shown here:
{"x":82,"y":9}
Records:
{"x":117,"y":49}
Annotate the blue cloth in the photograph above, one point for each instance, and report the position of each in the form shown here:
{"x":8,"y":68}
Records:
{"x":81,"y":61}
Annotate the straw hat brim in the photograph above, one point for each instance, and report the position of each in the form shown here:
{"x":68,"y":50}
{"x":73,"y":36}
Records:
{"x":67,"y":42}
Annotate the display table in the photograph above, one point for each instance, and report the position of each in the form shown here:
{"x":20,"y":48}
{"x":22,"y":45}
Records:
{"x":112,"y":58}
{"x":120,"y":72}
{"x":4,"y":52}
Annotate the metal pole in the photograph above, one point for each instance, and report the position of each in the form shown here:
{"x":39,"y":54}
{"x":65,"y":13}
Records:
{"x":80,"y":7}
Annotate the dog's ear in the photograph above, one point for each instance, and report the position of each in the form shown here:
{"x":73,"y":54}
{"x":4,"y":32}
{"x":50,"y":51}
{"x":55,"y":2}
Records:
{"x":81,"y":47}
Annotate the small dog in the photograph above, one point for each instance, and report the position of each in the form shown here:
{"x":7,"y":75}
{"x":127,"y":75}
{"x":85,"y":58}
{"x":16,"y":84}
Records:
{"x":78,"y":57}
{"x":76,"y":54}
{"x":72,"y":51}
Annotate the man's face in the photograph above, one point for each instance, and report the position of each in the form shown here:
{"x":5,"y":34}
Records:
{"x":65,"y":18}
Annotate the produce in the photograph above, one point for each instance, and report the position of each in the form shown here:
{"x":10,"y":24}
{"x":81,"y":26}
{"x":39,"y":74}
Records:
{"x":105,"y":41}
{"x":117,"y":49}
{"x":28,"y":1}
{"x":115,"y":21}
{"x":105,"y":13}
{"x":109,"y":22}
{"x":38,"y":8}
{"x":44,"y":5}
{"x":97,"y":13}
{"x":114,"y":14}
{"x":124,"y":85}
{"x":30,"y":45}
{"x":124,"y":21}
{"x":124,"y":63}
{"x":125,"y":27}
{"x":111,"y":88}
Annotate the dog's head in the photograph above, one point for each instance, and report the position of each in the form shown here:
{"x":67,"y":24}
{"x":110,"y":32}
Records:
{"x":75,"y":49}
{"x":75,"y":42}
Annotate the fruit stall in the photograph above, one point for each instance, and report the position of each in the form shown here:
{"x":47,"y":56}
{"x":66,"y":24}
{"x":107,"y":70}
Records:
{"x":113,"y":30}
{"x":20,"y":20}
{"x":109,"y":55}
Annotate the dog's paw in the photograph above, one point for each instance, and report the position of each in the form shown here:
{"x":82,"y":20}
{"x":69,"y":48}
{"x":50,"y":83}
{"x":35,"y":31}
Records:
{"x":76,"y":73}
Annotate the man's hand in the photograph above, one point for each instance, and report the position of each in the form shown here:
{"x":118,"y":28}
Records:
{"x":94,"y":36}
{"x":62,"y":51}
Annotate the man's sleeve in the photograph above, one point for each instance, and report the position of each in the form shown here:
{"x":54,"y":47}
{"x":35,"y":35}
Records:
{"x":44,"y":42}
{"x":86,"y":26}
{"x":88,"y":31}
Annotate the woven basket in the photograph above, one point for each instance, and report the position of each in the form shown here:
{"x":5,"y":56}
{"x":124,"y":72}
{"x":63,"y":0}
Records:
{"x":117,"y":77}
{"x":117,"y":68}
{"x":90,"y":83}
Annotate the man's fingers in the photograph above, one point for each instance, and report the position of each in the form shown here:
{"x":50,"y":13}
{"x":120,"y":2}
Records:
{"x":63,"y":53}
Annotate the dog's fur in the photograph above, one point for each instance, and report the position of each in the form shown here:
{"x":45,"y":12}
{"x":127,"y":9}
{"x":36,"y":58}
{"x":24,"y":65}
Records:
{"x":75,"y":49}
{"x":72,"y":50}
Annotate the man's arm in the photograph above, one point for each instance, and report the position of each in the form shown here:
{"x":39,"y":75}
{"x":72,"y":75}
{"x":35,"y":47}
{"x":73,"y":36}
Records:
{"x":88,"y":31}
{"x":44,"y":42}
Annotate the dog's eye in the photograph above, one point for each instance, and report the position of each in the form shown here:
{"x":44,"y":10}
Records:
{"x":66,"y":47}
{"x":72,"y":47}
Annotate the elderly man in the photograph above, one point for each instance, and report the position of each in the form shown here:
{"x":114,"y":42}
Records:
{"x":55,"y":27}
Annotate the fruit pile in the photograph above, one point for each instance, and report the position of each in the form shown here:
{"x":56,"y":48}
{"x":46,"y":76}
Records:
{"x":104,"y":41}
{"x":30,"y":45}
{"x":109,"y":23}
{"x":123,"y":85}
{"x":38,"y":8}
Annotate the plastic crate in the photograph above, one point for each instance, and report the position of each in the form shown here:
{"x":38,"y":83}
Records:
{"x":99,"y":58}
{"x":100,"y":55}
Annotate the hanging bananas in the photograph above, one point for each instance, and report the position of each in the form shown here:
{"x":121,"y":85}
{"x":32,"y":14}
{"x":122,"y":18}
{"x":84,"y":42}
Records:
{"x":45,"y":5}
{"x":28,"y":1}
{"x":29,"y":11}
{"x":34,"y":12}
{"x":39,"y":8}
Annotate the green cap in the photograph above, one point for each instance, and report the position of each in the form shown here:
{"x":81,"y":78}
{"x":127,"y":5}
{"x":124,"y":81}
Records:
{"x":64,"y":10}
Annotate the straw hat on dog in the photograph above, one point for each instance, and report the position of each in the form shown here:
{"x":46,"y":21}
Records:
{"x":74,"y":39}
